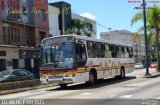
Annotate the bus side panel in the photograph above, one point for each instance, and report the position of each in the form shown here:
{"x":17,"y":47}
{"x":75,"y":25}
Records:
{"x":81,"y":77}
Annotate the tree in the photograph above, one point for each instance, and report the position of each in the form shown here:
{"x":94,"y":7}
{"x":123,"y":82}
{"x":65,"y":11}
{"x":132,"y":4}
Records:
{"x":76,"y":23}
{"x":78,"y":27}
{"x":153,"y":23}
{"x":70,"y":31}
{"x":88,"y":33}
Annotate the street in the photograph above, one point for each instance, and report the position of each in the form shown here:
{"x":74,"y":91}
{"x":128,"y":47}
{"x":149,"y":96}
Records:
{"x":132,"y":87}
{"x":48,"y":46}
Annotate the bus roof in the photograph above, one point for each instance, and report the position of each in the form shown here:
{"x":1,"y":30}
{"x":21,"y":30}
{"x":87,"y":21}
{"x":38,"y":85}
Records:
{"x":91,"y":39}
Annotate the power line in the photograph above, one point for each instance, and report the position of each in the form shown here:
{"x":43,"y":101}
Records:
{"x":104,"y":26}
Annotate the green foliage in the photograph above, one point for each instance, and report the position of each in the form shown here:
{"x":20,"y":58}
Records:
{"x":19,"y":84}
{"x":158,"y":69}
{"x":79,"y":25}
{"x":153,"y":24}
{"x":154,"y":57}
{"x":88,"y":33}
{"x":70,"y":31}
{"x":137,"y":17}
{"x":136,"y":37}
{"x":152,"y":17}
{"x":78,"y":33}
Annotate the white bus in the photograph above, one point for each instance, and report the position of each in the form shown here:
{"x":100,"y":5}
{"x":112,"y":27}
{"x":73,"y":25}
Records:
{"x":70,"y":59}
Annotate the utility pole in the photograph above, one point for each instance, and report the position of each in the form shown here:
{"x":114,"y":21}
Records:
{"x":145,"y":36}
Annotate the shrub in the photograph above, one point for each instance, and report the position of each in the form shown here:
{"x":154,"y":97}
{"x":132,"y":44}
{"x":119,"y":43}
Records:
{"x":19,"y":84}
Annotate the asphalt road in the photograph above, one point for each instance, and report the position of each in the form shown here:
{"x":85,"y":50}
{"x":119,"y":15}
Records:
{"x":129,"y":91}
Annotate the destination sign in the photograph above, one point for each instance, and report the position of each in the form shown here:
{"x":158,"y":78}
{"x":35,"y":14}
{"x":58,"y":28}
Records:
{"x":57,"y":40}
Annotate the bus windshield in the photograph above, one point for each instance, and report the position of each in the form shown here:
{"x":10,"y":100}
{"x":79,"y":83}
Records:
{"x":58,"y":56}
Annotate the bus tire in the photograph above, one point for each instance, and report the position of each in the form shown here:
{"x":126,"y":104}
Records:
{"x":63,"y":86}
{"x":92,"y":77}
{"x":122,"y":73}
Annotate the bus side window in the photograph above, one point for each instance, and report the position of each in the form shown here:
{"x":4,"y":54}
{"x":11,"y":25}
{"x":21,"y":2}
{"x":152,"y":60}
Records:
{"x":130,"y":52}
{"x":120,"y":52}
{"x":91,"y":49}
{"x":103,"y":50}
{"x":81,"y":54}
{"x":107,"y":51}
{"x":117,"y":52}
{"x":126,"y":52}
{"x":98,"y":50}
{"x":123,"y":52}
{"x":114,"y":52}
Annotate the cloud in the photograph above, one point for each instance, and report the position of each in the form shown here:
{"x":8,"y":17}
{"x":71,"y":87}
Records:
{"x":88,"y":15}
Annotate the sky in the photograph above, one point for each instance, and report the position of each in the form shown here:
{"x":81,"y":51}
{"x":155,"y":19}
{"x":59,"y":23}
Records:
{"x":114,"y":14}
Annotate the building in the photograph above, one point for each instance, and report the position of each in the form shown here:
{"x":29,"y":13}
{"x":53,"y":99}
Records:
{"x":92,"y":27}
{"x":64,"y":16}
{"x":53,"y":13}
{"x":60,"y":15}
{"x":121,"y":36}
{"x":127,"y":37}
{"x":139,"y":49}
{"x":23,"y":24}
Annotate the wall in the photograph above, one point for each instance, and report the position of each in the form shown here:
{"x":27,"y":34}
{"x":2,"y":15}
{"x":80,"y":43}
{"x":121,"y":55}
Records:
{"x":65,"y":15}
{"x":37,"y":35}
{"x":39,"y":22}
{"x":41,"y":25}
{"x":53,"y":13}
{"x":121,"y":36}
{"x":11,"y":53}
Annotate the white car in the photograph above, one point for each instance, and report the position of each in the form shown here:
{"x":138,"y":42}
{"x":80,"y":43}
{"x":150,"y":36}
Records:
{"x":138,"y":66}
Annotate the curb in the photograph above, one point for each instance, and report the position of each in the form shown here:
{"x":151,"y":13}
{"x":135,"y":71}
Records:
{"x":152,"y":76}
{"x":4,"y":92}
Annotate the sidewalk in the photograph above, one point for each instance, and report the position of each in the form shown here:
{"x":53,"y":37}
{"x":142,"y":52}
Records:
{"x":140,"y":73}
{"x":4,"y":92}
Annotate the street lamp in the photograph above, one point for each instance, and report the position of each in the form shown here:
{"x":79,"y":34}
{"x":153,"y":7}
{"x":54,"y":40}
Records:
{"x":145,"y":36}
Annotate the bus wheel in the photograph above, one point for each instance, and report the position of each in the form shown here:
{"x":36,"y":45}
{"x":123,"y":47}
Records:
{"x":123,"y":74}
{"x":63,"y":86}
{"x":92,"y":78}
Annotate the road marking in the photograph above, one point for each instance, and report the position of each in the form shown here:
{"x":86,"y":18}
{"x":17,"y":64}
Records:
{"x":86,"y":93}
{"x":126,"y":96}
{"x":111,"y":96}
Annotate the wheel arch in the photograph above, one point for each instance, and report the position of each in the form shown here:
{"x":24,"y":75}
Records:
{"x":122,"y":68}
{"x":94,"y":71}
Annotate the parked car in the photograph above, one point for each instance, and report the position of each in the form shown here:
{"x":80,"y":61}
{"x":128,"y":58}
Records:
{"x":138,"y":66}
{"x":15,"y":75}
{"x":154,"y":65}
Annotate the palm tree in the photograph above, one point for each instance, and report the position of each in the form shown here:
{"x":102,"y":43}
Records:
{"x":78,"y":24}
{"x":153,"y":23}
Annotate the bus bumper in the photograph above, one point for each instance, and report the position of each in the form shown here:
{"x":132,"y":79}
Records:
{"x":65,"y":80}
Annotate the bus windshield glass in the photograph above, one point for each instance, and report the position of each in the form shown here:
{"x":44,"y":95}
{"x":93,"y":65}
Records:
{"x":58,"y":56}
